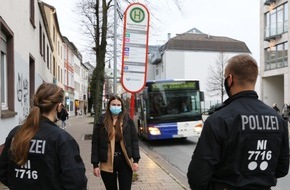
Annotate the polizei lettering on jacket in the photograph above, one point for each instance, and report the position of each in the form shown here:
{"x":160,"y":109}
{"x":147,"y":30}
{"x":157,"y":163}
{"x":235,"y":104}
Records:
{"x":260,"y":122}
{"x":37,"y":146}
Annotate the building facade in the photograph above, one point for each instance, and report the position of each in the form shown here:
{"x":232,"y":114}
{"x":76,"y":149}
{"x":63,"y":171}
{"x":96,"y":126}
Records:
{"x":57,"y":58}
{"x":274,"y":66}
{"x":31,"y":53}
{"x":25,"y":51}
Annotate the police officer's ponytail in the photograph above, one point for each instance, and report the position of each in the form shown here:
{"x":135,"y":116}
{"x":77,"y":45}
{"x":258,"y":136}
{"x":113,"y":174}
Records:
{"x":45,"y":100}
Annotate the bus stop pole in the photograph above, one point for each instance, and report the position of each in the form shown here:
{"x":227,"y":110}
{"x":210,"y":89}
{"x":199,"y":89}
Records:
{"x":132,"y":105}
{"x":115,"y":48}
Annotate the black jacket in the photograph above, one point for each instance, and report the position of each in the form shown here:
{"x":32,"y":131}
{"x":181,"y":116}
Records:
{"x":54,"y":162}
{"x":245,"y":144}
{"x":100,"y":141}
{"x":63,"y":114}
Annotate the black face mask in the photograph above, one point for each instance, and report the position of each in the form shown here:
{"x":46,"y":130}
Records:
{"x":227,"y":88}
{"x":56,"y":116}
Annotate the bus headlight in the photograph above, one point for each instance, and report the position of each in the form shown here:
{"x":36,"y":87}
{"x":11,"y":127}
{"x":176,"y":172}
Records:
{"x":154,"y":131}
{"x":198,"y":127}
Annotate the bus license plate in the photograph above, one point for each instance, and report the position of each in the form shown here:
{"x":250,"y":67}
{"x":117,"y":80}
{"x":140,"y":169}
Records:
{"x":177,"y":136}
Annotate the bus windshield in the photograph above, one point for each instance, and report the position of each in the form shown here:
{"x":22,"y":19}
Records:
{"x":173,"y":103}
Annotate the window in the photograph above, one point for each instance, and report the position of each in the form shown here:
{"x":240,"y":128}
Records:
{"x":65,"y":52}
{"x":65,"y":76}
{"x":276,"y":21}
{"x":50,"y":62}
{"x":277,"y":56}
{"x":77,"y":70}
{"x":40,"y":39}
{"x":280,"y":20}
{"x":285,"y":54}
{"x":43,"y":53}
{"x":47,"y":52}
{"x":58,"y":73}
{"x":61,"y":77}
{"x":32,"y":13}
{"x":54,"y":67}
{"x":3,"y":78}
{"x":31,"y":78}
{"x":58,"y":48}
{"x":286,"y":17}
{"x":77,"y":86}
{"x":53,"y":30}
{"x":273,"y":28}
{"x":70,"y":79}
{"x":6,"y":70}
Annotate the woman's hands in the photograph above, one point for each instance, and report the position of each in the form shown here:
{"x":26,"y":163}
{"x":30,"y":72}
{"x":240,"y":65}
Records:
{"x":135,"y":167}
{"x":97,"y":172}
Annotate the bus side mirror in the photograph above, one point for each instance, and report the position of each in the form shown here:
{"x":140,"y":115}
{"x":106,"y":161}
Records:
{"x":201,"y":95}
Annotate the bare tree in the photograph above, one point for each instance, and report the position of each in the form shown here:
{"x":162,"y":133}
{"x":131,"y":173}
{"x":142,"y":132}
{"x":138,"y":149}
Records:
{"x":215,"y":81}
{"x":98,"y":24}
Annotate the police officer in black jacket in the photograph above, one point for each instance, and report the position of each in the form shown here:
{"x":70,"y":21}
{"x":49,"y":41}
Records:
{"x":38,"y":155}
{"x":243,"y":146}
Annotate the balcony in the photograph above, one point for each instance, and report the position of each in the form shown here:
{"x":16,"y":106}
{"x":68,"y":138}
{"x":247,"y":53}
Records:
{"x":156,"y":58}
{"x":269,"y":2}
{"x":273,"y":33}
{"x":273,"y":37}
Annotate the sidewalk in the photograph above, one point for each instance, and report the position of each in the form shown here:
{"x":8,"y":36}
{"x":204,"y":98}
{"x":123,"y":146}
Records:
{"x":150,"y":176}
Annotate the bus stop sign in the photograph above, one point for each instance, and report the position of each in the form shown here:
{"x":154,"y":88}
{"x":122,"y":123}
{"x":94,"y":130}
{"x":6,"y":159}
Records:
{"x":135,"y":48}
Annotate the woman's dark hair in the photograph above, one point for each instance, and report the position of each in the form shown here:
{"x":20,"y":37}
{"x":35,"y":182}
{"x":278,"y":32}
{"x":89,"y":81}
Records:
{"x":109,"y":119}
{"x":45,"y":100}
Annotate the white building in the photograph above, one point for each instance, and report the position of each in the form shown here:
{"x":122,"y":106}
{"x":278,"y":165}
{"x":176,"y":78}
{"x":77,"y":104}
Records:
{"x":31,"y":53}
{"x":189,"y":55}
{"x":25,"y":51}
{"x":57,"y":58}
{"x":274,"y":65}
{"x":76,"y":78}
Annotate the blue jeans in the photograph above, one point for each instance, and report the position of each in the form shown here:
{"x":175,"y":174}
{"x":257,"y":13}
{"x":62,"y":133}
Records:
{"x":63,"y":124}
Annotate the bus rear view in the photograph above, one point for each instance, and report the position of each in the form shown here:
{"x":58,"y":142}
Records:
{"x":169,"y":109}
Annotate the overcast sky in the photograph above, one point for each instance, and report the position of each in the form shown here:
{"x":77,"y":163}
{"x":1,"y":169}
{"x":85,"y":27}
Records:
{"x":234,"y":19}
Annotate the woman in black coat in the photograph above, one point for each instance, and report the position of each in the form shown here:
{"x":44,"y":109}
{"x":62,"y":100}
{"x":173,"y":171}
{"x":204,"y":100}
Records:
{"x":115,"y":148}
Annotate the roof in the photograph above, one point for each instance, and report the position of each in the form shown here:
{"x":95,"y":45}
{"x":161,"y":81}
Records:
{"x":53,"y":11}
{"x":45,"y":22}
{"x":204,"y":42}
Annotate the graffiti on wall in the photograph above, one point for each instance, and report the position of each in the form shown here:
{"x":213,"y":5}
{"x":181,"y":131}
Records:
{"x":22,"y":95}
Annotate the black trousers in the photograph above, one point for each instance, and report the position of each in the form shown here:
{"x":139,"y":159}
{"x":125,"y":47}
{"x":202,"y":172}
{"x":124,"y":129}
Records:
{"x":122,"y":172}
{"x":219,"y":186}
